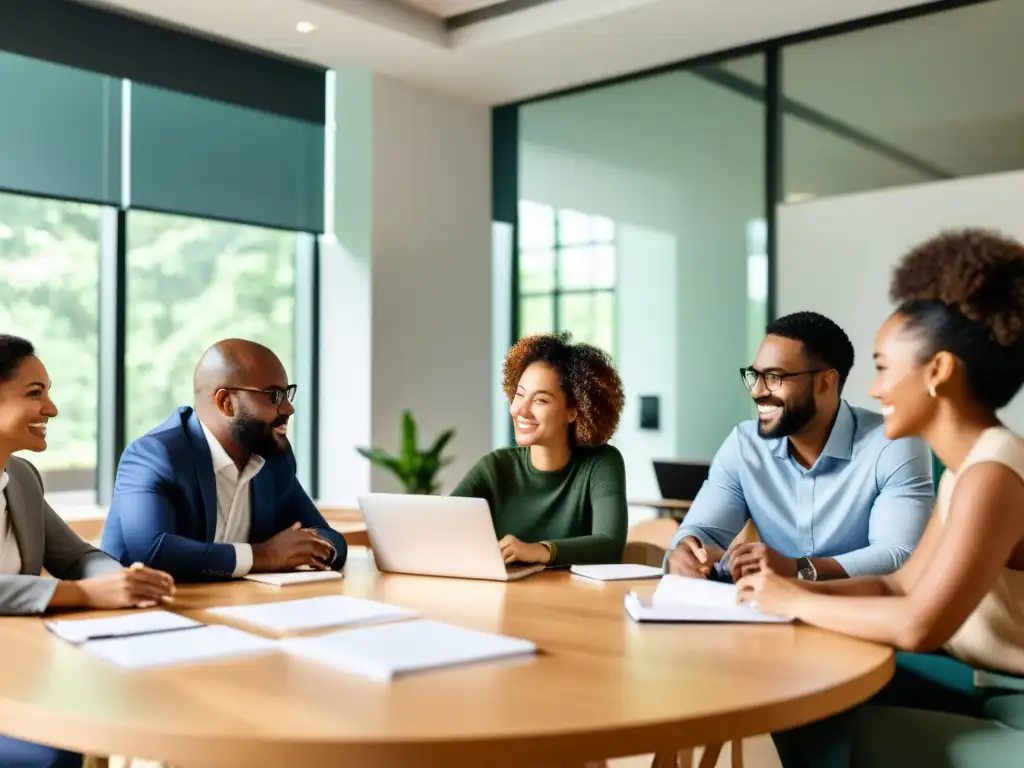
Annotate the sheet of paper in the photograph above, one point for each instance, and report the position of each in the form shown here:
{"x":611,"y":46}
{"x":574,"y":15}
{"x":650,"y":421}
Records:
{"x":314,"y":613}
{"x":189,"y":646}
{"x":381,"y":653}
{"x":617,"y":572}
{"x":683,"y":589}
{"x":292,"y":577}
{"x":137,"y":623}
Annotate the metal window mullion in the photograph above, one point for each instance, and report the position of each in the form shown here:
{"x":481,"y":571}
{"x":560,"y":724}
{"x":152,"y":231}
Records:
{"x":307,"y":356}
{"x":774,"y":182}
{"x":111,"y":400}
{"x":556,"y":294}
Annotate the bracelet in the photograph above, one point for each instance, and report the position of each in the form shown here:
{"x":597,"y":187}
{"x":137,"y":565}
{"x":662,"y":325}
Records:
{"x":552,"y":551}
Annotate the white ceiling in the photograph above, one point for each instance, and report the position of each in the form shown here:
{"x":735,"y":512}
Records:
{"x":445,"y":9}
{"x":546,"y":47}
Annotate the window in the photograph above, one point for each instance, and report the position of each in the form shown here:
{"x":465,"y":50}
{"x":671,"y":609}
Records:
{"x":50,"y":257}
{"x":192,"y":282}
{"x":567,"y":274}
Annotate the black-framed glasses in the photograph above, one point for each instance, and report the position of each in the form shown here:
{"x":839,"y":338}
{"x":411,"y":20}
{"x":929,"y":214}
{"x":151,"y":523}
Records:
{"x":772,"y":379}
{"x":275,"y":394}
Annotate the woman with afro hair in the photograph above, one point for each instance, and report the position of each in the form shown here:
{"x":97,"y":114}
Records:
{"x":559,"y":496}
{"x":949,"y":357}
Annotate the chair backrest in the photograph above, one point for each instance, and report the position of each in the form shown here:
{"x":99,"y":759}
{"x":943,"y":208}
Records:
{"x":643,"y":553}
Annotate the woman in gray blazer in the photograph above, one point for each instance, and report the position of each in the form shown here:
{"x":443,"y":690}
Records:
{"x":34,"y":537}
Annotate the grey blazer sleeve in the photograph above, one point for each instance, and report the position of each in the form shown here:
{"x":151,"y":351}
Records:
{"x":66,"y":556}
{"x":25,"y":595}
{"x":44,"y":539}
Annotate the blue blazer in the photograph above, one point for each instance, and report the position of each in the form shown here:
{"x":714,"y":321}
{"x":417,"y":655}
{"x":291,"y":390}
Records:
{"x":164,"y":508}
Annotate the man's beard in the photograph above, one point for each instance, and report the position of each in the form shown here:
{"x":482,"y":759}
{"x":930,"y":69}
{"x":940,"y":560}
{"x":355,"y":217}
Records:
{"x":256,"y":436}
{"x":796,"y":415}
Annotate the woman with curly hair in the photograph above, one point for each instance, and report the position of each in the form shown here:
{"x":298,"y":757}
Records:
{"x":947,"y":360}
{"x":559,"y":496}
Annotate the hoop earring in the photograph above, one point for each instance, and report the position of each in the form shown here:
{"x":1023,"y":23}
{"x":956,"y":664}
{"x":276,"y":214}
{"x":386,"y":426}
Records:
{"x":931,"y":390}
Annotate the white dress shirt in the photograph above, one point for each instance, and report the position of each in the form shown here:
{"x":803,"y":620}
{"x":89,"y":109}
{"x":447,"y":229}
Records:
{"x":234,"y":505}
{"x":10,"y":555}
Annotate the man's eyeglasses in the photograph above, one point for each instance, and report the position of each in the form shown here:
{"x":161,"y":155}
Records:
{"x":772,"y":379}
{"x":275,"y":395}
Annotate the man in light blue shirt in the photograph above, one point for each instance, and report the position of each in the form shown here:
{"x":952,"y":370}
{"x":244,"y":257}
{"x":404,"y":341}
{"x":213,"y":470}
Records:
{"x":831,"y":496}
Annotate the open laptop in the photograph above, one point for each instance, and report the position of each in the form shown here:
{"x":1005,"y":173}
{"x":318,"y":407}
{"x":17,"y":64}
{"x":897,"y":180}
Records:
{"x":680,"y":479}
{"x":436,"y":536}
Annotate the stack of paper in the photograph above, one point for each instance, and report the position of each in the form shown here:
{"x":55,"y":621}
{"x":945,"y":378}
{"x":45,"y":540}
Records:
{"x":617,"y":572}
{"x":138,"y":623}
{"x":292,"y":577}
{"x":381,"y":653}
{"x":679,"y":598}
{"x":203,"y":644}
{"x":314,"y":613}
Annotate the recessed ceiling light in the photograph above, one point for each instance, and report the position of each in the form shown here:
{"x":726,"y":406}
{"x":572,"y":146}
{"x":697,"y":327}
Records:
{"x":305,"y":27}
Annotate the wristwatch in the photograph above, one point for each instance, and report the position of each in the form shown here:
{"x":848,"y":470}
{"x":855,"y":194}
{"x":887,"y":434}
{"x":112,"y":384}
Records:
{"x":805,"y":569}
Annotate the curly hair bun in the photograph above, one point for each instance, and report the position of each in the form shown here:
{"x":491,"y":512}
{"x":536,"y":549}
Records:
{"x":977,"y":272}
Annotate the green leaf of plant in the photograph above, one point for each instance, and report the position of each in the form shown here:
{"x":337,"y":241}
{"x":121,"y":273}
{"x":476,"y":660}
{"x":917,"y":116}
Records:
{"x":408,"y":435}
{"x":416,"y":470}
{"x":439,"y":444}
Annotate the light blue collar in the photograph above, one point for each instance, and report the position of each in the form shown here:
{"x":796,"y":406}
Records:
{"x":840,"y":440}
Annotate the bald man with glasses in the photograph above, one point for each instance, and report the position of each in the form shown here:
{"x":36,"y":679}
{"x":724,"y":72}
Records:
{"x":211,"y":494}
{"x":831,"y":496}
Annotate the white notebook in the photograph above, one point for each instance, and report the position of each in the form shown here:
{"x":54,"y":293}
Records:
{"x":167,"y":648}
{"x":292,"y":577}
{"x":314,"y":613}
{"x":683,"y":599}
{"x":137,"y":623}
{"x":381,"y":653}
{"x":617,"y":572}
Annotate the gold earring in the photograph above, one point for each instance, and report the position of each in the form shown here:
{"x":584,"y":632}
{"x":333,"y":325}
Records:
{"x":931,"y":390}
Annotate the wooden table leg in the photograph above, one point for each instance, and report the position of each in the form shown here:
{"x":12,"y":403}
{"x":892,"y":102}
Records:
{"x":679,"y":758}
{"x":737,"y":753}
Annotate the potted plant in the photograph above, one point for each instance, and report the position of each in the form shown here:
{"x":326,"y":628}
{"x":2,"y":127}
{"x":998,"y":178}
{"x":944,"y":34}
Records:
{"x":416,"y":470}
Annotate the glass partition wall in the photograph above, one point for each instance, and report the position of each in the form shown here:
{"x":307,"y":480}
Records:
{"x":636,"y":204}
{"x":648,"y":207}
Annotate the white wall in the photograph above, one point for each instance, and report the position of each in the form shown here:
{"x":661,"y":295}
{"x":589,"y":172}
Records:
{"x":836,"y":256}
{"x":647,"y":352}
{"x":346,"y":254}
{"x":407,"y":293}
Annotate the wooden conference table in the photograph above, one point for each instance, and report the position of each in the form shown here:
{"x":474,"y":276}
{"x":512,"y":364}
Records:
{"x":600,"y":686}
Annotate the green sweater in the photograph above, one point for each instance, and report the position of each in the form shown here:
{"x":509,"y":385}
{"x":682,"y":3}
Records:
{"x":580,"y":508}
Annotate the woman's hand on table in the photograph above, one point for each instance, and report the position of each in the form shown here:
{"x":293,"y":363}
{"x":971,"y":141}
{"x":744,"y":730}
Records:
{"x":515,"y":551}
{"x":771,"y":593}
{"x":134,"y":587}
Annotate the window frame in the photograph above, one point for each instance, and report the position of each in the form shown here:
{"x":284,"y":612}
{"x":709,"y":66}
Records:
{"x":557,"y":290}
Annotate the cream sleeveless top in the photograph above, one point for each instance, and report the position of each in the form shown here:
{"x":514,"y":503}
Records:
{"x":993,"y":636}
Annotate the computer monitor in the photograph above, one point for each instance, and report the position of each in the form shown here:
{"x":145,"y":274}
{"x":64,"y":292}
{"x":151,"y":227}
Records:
{"x":680,"y":479}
